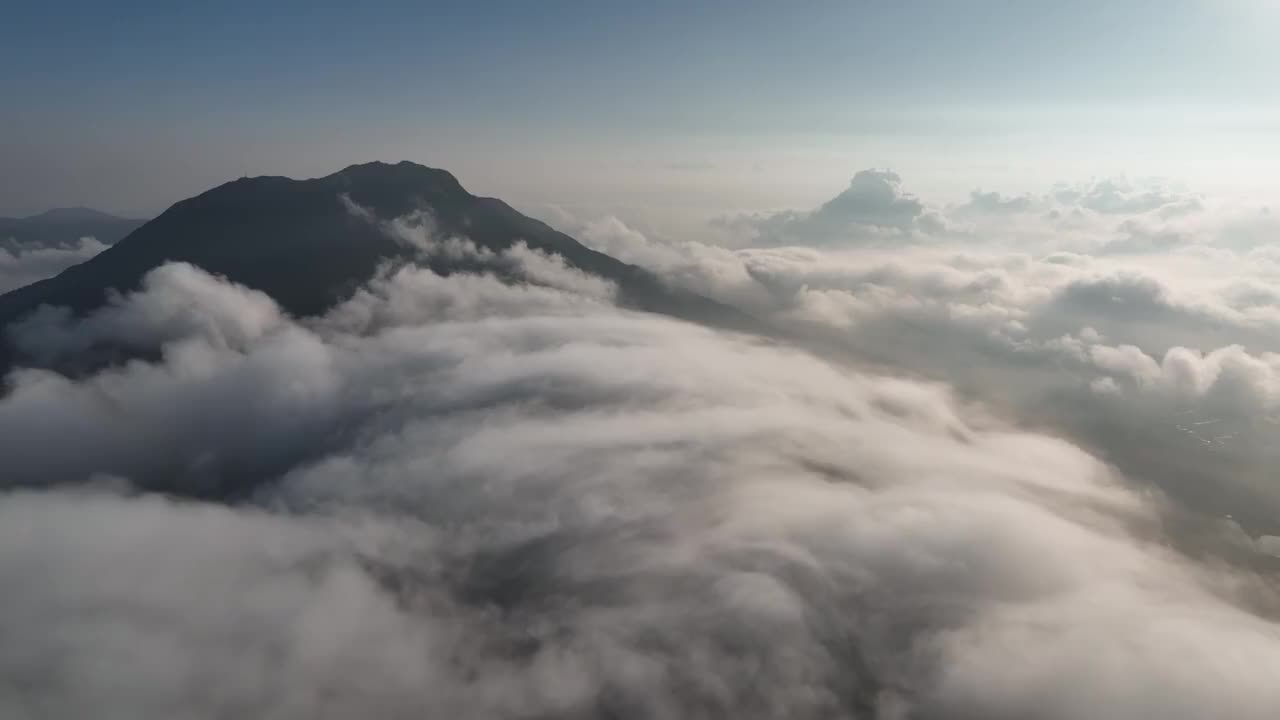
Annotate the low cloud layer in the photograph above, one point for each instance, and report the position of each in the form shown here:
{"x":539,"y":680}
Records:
{"x":24,"y":264}
{"x":497,"y":494}
{"x":1094,"y":311}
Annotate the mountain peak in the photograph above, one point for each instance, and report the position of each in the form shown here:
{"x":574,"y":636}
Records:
{"x":72,"y":215}
{"x":387,"y":189}
{"x":380,"y":166}
{"x":396,"y":189}
{"x":297,"y":241}
{"x":403,"y":171}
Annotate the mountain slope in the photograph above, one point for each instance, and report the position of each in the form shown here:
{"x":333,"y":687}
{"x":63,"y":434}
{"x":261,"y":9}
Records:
{"x":63,"y":227}
{"x":298,"y":241}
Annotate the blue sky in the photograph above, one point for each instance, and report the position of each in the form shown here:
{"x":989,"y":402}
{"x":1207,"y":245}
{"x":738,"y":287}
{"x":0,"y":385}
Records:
{"x":131,"y":106}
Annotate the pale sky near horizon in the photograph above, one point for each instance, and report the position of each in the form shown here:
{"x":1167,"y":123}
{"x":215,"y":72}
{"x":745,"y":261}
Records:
{"x":671,"y":109}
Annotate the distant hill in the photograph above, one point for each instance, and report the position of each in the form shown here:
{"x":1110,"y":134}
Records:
{"x":63,"y":227}
{"x":298,"y":242}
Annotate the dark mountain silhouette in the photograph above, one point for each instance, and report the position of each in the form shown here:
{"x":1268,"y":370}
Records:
{"x":63,"y":227}
{"x":297,"y":241}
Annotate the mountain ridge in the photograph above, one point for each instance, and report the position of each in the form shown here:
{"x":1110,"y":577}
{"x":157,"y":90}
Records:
{"x":298,"y":242}
{"x":63,"y":227}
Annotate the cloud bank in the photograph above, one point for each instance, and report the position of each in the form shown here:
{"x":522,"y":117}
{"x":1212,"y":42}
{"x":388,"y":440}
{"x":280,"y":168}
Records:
{"x":22,"y":264}
{"x":497,"y":494}
{"x":1093,"y":312}
{"x":874,"y":208}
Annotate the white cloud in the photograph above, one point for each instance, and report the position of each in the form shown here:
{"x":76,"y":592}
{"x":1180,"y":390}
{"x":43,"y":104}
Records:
{"x":1006,"y":314}
{"x":992,"y":203}
{"x":873,"y":208}
{"x":1122,"y":197}
{"x":175,"y":301}
{"x":22,"y":265}
{"x":420,"y":231}
{"x":495,"y":493}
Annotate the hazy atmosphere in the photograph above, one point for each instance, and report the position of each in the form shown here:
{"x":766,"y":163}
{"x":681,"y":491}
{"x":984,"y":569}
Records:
{"x":580,"y":360}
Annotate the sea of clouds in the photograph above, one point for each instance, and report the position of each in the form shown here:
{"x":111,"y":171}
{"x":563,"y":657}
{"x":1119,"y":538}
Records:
{"x":1009,"y":459}
{"x":1140,"y":321}
{"x":24,"y":263}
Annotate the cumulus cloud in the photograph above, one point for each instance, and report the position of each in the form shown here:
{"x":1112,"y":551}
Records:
{"x":1139,"y":238}
{"x":176,"y":301}
{"x":24,"y":264}
{"x":992,"y":203}
{"x":873,"y":208}
{"x":487,"y":498}
{"x":496,"y":493}
{"x":1121,"y":197}
{"x":1110,"y":215}
{"x":1036,"y":319}
{"x":419,"y":230}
